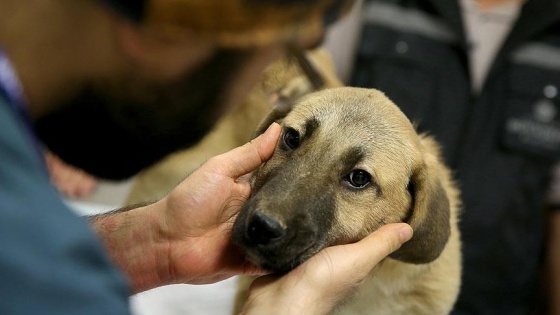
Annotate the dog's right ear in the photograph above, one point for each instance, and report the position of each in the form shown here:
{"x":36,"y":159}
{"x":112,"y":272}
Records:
{"x":429,"y":215}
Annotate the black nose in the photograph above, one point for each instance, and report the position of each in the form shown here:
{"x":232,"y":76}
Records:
{"x":263,"y":229}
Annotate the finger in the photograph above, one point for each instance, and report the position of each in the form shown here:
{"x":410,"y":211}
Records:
{"x":249,"y":269}
{"x":381,"y":243}
{"x":84,"y":184}
{"x":362,"y":256}
{"x":247,"y":158}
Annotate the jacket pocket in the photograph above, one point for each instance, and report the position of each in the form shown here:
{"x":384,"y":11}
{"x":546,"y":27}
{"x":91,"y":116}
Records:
{"x":532,"y":118}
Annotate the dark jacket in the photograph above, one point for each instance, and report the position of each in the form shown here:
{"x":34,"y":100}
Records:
{"x":500,"y":143}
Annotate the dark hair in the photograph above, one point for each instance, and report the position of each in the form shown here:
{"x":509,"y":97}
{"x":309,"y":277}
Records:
{"x":147,"y":124}
{"x":132,"y":9}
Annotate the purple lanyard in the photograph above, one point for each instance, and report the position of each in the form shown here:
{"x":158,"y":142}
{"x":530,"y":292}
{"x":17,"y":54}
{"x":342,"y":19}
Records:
{"x":10,"y":85}
{"x":11,"y":88}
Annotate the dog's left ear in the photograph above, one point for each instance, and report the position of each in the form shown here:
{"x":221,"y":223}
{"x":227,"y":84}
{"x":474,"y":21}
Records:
{"x":429,"y":215}
{"x":274,"y":116}
{"x":281,"y":108}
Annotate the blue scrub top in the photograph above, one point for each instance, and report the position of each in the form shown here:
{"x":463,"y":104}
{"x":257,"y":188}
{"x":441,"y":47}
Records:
{"x":50,"y":260}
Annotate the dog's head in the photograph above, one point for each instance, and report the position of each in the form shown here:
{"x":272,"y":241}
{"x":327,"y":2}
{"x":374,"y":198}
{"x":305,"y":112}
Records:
{"x":348,"y":161}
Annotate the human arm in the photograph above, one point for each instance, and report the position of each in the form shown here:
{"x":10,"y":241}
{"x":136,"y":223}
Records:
{"x":551,"y":272}
{"x":326,"y":279}
{"x":549,"y":302}
{"x":186,"y":236}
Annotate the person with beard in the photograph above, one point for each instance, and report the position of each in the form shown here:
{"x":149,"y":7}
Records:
{"x":134,"y":81}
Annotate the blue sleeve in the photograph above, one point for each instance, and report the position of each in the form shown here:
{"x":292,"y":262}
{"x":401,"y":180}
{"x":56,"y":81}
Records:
{"x":50,"y":260}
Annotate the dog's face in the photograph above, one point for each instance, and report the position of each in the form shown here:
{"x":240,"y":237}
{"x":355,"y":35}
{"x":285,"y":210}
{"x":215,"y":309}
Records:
{"x":348,"y":161}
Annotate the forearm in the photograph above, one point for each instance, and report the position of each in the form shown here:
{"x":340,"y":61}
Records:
{"x":135,"y":243}
{"x":552,"y":263}
{"x":285,"y":301}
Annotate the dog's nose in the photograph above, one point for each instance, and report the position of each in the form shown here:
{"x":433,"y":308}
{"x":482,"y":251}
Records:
{"x":263,"y":229}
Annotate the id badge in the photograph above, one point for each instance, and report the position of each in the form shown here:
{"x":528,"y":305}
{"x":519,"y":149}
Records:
{"x":533,"y":128}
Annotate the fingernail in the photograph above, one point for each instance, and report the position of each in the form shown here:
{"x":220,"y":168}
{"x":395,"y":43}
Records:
{"x":405,"y":234}
{"x":269,"y":127}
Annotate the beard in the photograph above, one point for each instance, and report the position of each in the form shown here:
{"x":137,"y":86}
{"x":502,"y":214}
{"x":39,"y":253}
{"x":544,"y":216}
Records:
{"x":113,"y":131}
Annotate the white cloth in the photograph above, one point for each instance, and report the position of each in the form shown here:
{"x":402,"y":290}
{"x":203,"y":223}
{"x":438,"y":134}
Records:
{"x":486,"y":31}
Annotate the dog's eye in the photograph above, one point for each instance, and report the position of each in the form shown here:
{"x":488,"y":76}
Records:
{"x":291,"y":138}
{"x":358,"y":179}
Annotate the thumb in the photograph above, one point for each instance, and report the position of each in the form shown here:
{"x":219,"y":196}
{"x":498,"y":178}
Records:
{"x":247,"y":158}
{"x":385,"y":240}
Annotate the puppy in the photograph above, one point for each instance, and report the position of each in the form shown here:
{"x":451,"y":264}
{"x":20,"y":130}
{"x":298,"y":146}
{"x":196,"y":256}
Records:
{"x":349,"y":161}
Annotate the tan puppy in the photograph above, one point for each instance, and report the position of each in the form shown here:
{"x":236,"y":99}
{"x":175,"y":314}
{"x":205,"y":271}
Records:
{"x":348,"y":162}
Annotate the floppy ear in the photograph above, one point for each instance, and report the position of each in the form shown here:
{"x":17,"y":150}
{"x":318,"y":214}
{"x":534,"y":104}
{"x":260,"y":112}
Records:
{"x":429,"y":216}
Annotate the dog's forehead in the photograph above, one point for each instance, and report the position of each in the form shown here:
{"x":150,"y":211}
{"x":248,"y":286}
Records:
{"x":360,"y":126}
{"x":360,"y":112}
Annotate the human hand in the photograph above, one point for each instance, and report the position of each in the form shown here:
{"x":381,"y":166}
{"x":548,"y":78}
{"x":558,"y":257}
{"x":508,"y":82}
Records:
{"x":69,"y":180}
{"x":200,"y":212}
{"x":326,"y":279}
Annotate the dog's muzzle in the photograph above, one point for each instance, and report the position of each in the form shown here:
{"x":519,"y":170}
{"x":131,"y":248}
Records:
{"x":281,"y":240}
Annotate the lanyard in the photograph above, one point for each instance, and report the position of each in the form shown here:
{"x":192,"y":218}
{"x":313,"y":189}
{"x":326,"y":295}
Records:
{"x":10,"y":86}
{"x":12,"y":90}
